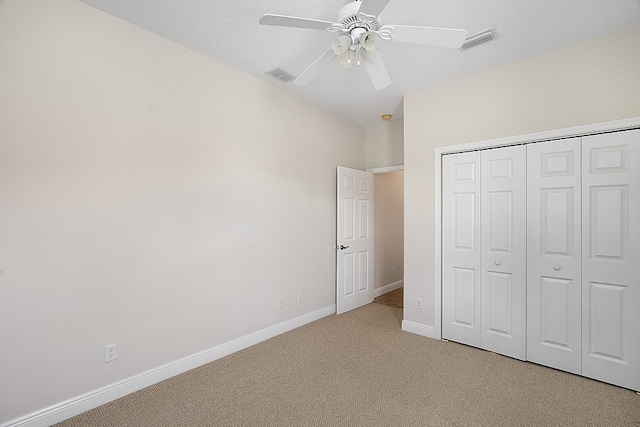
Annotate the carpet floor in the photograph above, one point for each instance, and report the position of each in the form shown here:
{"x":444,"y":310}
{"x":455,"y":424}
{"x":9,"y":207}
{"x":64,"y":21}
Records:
{"x":361,"y":369}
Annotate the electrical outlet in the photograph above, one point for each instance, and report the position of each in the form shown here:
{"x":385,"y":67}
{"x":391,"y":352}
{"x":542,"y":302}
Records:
{"x":300,"y":298}
{"x":110,"y":353}
{"x":419,"y":303}
{"x":280,"y":303}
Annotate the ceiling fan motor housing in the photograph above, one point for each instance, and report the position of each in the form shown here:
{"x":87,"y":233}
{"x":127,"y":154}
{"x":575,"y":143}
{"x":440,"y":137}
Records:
{"x":356,"y":25}
{"x":350,"y":20}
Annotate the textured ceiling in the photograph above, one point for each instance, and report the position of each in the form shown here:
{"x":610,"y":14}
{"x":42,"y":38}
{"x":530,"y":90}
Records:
{"x":228,"y":31}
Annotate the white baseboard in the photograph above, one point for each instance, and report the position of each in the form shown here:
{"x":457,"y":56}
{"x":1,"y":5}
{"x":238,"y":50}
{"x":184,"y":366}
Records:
{"x":387,"y":288}
{"x":77,"y":405}
{"x":419,"y":329}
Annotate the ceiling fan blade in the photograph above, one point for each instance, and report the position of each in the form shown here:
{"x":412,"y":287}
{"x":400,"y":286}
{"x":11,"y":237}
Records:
{"x":314,"y":69}
{"x":378,"y":73}
{"x":291,"y":21}
{"x":445,"y":37}
{"x":372,"y":7}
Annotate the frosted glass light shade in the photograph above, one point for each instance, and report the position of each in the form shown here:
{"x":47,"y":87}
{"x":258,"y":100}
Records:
{"x":370,"y":41}
{"x":341,"y":44}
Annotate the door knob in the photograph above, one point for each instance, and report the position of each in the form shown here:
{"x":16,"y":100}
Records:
{"x":556,"y":267}
{"x":342,"y":247}
{"x":498,"y":263}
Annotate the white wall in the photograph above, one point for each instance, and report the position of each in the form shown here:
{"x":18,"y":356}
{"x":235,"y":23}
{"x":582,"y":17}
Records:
{"x":149,"y":196}
{"x":587,"y":83}
{"x":384,"y":144}
{"x":389,"y":228}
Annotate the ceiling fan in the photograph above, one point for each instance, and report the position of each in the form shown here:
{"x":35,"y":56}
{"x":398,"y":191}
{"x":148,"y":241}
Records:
{"x":359,"y":33}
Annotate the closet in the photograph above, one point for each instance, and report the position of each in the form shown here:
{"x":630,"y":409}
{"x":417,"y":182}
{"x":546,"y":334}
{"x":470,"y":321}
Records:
{"x":541,"y":253}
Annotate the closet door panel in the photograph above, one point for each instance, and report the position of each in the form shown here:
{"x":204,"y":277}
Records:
{"x":461,"y":248}
{"x":554,"y":233}
{"x":611,"y":258}
{"x":503,"y":289}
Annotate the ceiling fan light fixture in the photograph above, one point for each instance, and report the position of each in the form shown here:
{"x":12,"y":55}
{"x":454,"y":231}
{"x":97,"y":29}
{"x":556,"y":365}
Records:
{"x":341,"y":44}
{"x":370,"y":41}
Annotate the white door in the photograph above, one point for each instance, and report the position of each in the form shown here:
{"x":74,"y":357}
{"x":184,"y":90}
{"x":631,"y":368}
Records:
{"x":484,"y":250}
{"x":355,"y":240}
{"x":461,"y":248}
{"x":504,"y":251}
{"x":611,"y":258}
{"x":554,"y":232}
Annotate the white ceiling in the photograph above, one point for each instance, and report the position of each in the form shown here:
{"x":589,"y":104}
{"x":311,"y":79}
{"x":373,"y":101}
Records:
{"x":228,"y":31}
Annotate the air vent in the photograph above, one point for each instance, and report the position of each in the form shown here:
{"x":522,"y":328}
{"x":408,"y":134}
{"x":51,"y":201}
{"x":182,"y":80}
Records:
{"x":479,"y":38}
{"x":281,"y":75}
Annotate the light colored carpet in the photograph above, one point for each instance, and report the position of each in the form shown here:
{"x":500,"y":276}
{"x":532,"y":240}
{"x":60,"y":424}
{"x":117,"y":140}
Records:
{"x":360,"y":369}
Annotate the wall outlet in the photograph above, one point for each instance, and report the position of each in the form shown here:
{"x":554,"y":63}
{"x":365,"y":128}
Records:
{"x":300,"y":298}
{"x":280,"y":303}
{"x":418,"y":303}
{"x":110,"y":353}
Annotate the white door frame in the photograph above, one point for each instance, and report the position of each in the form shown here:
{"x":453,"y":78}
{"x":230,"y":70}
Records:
{"x":577,"y":131}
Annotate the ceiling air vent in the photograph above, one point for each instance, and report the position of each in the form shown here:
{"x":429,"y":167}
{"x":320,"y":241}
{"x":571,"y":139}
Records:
{"x":479,"y":38}
{"x":281,"y":75}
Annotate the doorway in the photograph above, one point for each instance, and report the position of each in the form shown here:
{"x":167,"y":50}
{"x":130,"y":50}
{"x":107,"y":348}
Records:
{"x":393,"y":299}
{"x":389,"y":236}
{"x":370,"y":237}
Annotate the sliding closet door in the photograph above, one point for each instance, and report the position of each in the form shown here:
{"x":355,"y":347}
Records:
{"x":461,"y":248}
{"x":554,"y":304}
{"x":611,"y":258}
{"x":504,"y":251}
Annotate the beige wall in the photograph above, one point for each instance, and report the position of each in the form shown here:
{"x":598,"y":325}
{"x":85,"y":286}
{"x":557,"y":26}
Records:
{"x":389,"y":228}
{"x":587,"y":83}
{"x":149,"y":196}
{"x":384,"y":144}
